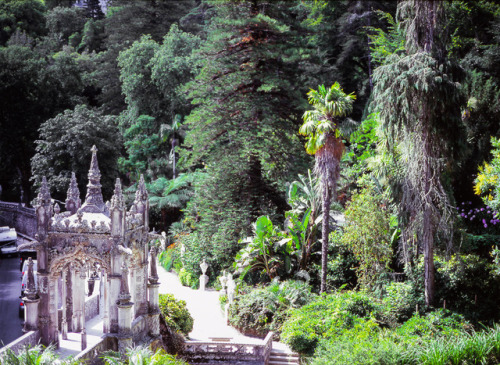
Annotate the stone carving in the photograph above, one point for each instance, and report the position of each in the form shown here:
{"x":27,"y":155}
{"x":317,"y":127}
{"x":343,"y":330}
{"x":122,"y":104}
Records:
{"x":124,"y":297}
{"x":203,"y":276}
{"x":73,"y":201}
{"x":95,"y":236}
{"x":153,"y":275}
{"x":231,"y":286}
{"x":30,"y":291}
{"x":94,"y":203}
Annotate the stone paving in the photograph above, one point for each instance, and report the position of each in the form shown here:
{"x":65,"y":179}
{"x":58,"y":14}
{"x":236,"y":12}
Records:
{"x":209,"y":321}
{"x":205,"y":309}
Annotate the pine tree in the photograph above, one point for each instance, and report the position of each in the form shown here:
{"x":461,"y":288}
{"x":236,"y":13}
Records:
{"x":248,"y":105}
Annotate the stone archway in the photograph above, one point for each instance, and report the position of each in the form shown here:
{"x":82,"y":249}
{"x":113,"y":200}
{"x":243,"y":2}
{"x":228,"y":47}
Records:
{"x":72,"y":269}
{"x":107,"y":236}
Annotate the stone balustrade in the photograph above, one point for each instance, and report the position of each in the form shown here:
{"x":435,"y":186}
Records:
{"x":230,"y":352}
{"x":94,"y":352}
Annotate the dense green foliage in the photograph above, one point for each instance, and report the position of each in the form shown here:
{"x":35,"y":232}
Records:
{"x":205,"y":98}
{"x":256,"y":312}
{"x":367,"y":234}
{"x":142,"y":356}
{"x":176,"y":314}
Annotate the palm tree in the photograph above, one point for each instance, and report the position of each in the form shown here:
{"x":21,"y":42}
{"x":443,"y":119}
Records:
{"x":322,"y":129}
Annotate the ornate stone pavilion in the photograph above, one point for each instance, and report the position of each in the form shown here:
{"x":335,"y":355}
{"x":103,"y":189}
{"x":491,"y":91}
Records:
{"x":93,"y":240}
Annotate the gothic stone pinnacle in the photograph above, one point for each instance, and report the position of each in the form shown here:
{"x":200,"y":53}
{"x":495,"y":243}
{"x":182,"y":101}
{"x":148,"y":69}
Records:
{"x":44,"y":197}
{"x":94,"y":202}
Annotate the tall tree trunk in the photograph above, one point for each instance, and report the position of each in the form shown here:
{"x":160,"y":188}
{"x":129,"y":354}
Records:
{"x":428,"y":225}
{"x":173,"y":155}
{"x":325,"y":230}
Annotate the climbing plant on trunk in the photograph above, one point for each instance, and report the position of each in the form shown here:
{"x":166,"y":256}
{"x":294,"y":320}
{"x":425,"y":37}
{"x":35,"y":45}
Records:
{"x":321,"y":127}
{"x":418,"y":99}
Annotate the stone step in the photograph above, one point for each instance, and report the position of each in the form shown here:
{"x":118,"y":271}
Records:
{"x":284,"y":358}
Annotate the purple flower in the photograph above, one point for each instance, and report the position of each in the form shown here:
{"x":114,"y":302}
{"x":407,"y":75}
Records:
{"x":488,"y":207}
{"x":470,"y":202}
{"x":463,"y":215}
{"x":488,"y":212}
{"x":485,"y":226}
{"x":463,"y":203}
{"x":484,"y":221}
{"x":482,"y":209}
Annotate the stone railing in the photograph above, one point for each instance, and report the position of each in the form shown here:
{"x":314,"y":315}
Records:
{"x":31,"y":338}
{"x":21,"y":218}
{"x":92,"y":353}
{"x":230,"y":352}
{"x":139,"y":329}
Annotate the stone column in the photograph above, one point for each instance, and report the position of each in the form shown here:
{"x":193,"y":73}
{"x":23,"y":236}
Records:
{"x":124,"y":313}
{"x":82,"y":296}
{"x":64,"y":321}
{"x":31,"y":301}
{"x":154,"y":297}
{"x":105,"y":302}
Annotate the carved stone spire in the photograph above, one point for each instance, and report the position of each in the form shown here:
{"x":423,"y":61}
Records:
{"x":44,"y":197}
{"x":73,"y":201}
{"x":141,"y":195}
{"x":153,"y":274}
{"x":124,"y":296}
{"x":117,"y":201}
{"x":94,"y":202}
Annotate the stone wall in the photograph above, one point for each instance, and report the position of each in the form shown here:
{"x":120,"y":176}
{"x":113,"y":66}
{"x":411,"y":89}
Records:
{"x":91,"y":307}
{"x":16,"y":216}
{"x":31,"y":338}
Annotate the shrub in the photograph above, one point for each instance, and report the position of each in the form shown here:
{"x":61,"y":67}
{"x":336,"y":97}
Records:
{"x":367,"y":234}
{"x":439,"y":323}
{"x":188,"y":279}
{"x":166,"y":258}
{"x":428,"y":339}
{"x":265,"y":309}
{"x":176,"y":314}
{"x":400,"y":302}
{"x":327,"y":317}
{"x":141,"y":355}
{"x":469,"y":286}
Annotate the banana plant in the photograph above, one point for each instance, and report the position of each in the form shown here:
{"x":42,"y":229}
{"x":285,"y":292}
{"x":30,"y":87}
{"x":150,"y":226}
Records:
{"x":266,"y":251}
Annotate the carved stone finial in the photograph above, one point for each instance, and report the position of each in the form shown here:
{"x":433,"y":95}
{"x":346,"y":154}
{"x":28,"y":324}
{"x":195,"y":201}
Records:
{"x":141,"y":194}
{"x":117,"y":200}
{"x":44,"y":197}
{"x":30,"y":282}
{"x":124,"y":296}
{"x":94,"y":203}
{"x":153,"y":273}
{"x":73,"y":201}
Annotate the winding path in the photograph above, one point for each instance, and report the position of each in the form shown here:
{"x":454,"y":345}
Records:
{"x":204,"y":308}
